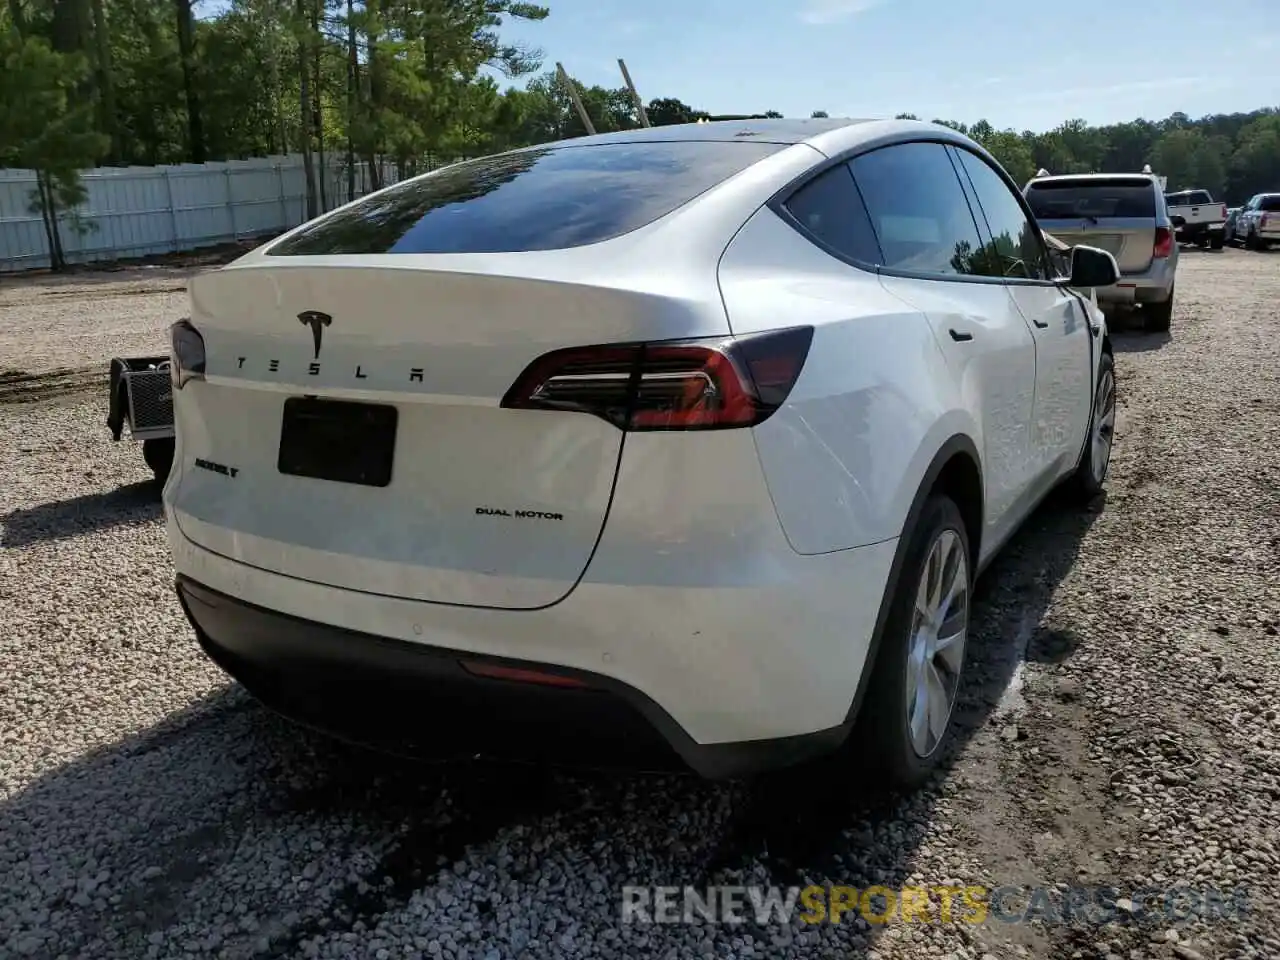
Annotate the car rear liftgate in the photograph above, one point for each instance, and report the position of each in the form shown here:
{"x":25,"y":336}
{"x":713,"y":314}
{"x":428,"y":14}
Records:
{"x":402,"y":431}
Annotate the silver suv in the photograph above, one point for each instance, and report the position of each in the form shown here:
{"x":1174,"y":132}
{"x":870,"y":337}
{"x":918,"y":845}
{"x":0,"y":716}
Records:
{"x":1126,"y":215}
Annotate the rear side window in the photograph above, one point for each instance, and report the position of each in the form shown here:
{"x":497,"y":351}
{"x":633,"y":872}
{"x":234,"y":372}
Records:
{"x":918,"y":210}
{"x":547,"y":198}
{"x":829,"y":208}
{"x":1075,"y":199}
{"x":1270,"y":204}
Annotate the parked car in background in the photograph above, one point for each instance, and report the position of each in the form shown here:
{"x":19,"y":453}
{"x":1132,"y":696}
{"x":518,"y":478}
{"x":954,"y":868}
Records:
{"x":1229,"y":227}
{"x":1258,"y":224}
{"x":1126,"y":215}
{"x":695,"y":435}
{"x":1203,"y":217}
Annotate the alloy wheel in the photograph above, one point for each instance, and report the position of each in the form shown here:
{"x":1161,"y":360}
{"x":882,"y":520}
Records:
{"x":1104,"y":425}
{"x":939,"y":628}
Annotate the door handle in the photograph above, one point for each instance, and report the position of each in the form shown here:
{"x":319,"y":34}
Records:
{"x":959,"y":337}
{"x":1042,"y":326}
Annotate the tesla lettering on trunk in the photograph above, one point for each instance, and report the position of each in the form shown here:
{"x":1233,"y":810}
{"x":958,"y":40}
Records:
{"x":416,"y":374}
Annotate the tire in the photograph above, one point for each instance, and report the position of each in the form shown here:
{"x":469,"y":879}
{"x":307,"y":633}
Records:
{"x":1250,"y":241}
{"x":1158,"y":316}
{"x":1091,"y":475}
{"x":882,"y":737}
{"x":1217,"y":241}
{"x":158,"y":454}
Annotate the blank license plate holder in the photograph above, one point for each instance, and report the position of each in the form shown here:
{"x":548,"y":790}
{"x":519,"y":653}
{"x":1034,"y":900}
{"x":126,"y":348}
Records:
{"x":338,"y":440}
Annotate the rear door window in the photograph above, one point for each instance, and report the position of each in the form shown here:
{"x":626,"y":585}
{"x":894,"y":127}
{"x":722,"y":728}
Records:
{"x":545,"y":198}
{"x":1270,"y":204}
{"x":918,"y":210}
{"x":1097,"y":197}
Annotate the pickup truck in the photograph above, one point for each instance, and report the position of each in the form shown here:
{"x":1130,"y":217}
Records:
{"x":1205,"y":218}
{"x":1258,"y":223}
{"x":141,"y":397}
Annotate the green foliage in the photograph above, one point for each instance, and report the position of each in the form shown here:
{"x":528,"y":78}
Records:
{"x":44,"y":128}
{"x":403,"y":79}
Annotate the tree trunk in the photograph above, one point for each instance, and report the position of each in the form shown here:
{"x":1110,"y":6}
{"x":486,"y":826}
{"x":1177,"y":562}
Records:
{"x":18,"y":17}
{"x":107,"y":120}
{"x":318,"y":109}
{"x":304,"y":104}
{"x":375,"y":92}
{"x":353,"y":80}
{"x":49,"y":214}
{"x":187,"y":51}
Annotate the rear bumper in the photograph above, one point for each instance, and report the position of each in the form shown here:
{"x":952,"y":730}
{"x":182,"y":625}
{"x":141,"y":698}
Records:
{"x":1196,"y":229}
{"x":1155,"y":285}
{"x":764,"y":691}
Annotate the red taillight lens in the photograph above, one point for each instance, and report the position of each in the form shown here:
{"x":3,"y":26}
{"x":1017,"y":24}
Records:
{"x":671,"y":385}
{"x":1263,"y":222}
{"x":1164,"y":243}
{"x":1224,"y":211}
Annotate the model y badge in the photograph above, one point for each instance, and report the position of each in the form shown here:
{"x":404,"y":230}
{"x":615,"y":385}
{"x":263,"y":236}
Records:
{"x":317,"y":321}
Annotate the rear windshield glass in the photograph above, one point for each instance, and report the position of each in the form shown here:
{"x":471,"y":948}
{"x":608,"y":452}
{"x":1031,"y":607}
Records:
{"x":546,"y":198}
{"x":1270,"y":204}
{"x":1070,"y":199}
{"x":1187,"y":199}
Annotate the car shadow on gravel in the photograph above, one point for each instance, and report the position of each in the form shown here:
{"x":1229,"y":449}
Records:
{"x":134,"y":503}
{"x":243,"y":772}
{"x":1136,"y":340}
{"x":256,"y":797}
{"x":805,"y":835}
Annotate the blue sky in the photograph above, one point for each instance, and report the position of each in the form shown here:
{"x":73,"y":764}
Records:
{"x":1021,"y":65}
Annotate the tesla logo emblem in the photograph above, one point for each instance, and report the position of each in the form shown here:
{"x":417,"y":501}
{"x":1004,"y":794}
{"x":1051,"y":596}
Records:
{"x":317,"y":321}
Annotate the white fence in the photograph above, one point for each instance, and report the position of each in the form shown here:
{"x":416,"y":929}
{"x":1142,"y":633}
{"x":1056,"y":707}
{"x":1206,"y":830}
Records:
{"x":137,"y":211}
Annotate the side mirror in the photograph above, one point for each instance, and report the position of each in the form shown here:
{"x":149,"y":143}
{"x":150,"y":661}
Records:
{"x":1091,"y":267}
{"x":1177,"y":221}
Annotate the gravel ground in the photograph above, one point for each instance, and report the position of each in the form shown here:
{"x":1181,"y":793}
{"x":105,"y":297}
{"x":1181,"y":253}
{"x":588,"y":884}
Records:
{"x":1119,"y":724}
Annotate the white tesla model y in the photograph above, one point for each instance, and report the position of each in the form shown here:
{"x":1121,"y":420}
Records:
{"x":693,"y":437}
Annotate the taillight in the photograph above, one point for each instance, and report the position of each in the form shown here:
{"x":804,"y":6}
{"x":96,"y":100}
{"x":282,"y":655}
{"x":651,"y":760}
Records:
{"x":669,"y":385}
{"x":188,"y":354}
{"x":1224,"y":211}
{"x":1164,"y":243}
{"x":1263,"y":222}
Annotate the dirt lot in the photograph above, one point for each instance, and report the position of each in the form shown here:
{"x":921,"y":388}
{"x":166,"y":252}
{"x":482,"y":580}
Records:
{"x":1119,"y":726}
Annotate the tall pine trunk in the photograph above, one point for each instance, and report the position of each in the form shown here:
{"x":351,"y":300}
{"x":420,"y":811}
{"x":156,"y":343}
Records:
{"x":353,"y":80}
{"x":318,"y":98}
{"x":304,"y":104}
{"x":187,"y":51}
{"x":108,"y":122}
{"x":375,"y":93}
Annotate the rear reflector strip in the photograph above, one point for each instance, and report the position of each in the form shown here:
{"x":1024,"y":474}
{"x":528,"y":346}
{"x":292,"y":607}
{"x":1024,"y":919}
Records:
{"x":493,"y":671}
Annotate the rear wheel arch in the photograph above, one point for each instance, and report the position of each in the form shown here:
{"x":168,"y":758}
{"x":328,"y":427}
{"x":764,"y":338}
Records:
{"x":955,"y":472}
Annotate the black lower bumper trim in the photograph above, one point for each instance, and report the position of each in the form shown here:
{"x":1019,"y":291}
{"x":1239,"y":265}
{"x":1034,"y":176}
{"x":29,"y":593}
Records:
{"x":417,"y":700}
